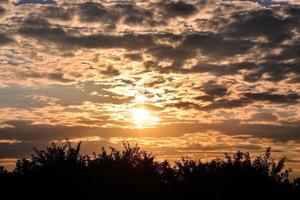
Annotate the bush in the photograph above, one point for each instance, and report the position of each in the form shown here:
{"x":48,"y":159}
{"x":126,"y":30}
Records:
{"x":61,"y":172}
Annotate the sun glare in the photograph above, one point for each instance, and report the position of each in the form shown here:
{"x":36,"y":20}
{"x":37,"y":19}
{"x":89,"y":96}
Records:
{"x":139,"y":115}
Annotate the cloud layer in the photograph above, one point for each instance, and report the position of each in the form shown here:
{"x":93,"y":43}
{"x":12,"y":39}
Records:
{"x":228,"y":69}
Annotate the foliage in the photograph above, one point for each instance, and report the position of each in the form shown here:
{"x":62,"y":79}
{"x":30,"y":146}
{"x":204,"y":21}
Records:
{"x":61,"y":172}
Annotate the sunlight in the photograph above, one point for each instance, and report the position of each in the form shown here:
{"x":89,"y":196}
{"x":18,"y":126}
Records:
{"x":144,"y":118}
{"x":139,"y":115}
{"x":140,"y":99}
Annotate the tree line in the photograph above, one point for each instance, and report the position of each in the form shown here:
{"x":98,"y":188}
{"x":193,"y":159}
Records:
{"x":62,"y":172}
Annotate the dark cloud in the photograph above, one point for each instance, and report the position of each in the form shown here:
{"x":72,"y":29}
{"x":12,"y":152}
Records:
{"x":57,"y":12}
{"x":211,"y":45}
{"x":21,"y":97}
{"x":134,"y":56}
{"x":261,"y":2}
{"x":219,"y":70}
{"x":126,"y":13}
{"x":246,"y":99}
{"x":289,"y":51}
{"x":2,"y":10}
{"x":180,"y":8}
{"x":276,"y":132}
{"x":272,"y":69}
{"x":269,"y":3}
{"x":21,"y":2}
{"x":134,"y":15}
{"x":226,"y":104}
{"x":264,"y":116}
{"x":278,"y":71}
{"x":4,"y":39}
{"x":216,"y":45}
{"x":41,"y":29}
{"x":177,"y":54}
{"x":127,"y":41}
{"x":257,"y":23}
{"x":212,"y":91}
{"x":108,"y":15}
{"x":110,"y":71}
{"x":53,"y":76}
{"x":26,"y":131}
{"x":214,"y":105}
{"x":273,"y":98}
{"x":96,"y":12}
{"x":293,"y":14}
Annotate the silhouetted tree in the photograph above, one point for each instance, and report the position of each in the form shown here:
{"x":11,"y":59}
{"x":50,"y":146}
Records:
{"x":61,"y":172}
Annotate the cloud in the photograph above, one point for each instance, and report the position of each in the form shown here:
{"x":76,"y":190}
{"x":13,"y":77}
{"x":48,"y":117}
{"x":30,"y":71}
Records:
{"x":65,"y":95}
{"x":259,"y":23}
{"x":77,"y":69}
{"x":2,"y":10}
{"x":26,"y":131}
{"x":214,"y":105}
{"x":216,"y":45}
{"x":110,"y":71}
{"x":180,"y":8}
{"x":273,"y":98}
{"x":57,"y":12}
{"x":261,"y":2}
{"x":264,"y":2}
{"x":264,"y":117}
{"x":93,"y":12}
{"x":53,"y":76}
{"x":22,"y":2}
{"x":225,"y":103}
{"x":212,"y":91}
{"x":41,"y":29}
{"x":4,"y":39}
{"x":134,"y":56}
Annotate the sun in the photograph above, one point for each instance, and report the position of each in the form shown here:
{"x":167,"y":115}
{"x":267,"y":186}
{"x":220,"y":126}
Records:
{"x":139,"y":115}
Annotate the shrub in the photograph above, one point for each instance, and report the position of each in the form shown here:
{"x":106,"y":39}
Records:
{"x":61,"y":172}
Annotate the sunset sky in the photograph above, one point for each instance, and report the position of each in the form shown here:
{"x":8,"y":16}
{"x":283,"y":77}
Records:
{"x":180,"y":78}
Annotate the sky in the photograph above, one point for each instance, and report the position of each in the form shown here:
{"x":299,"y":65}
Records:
{"x":180,"y":78}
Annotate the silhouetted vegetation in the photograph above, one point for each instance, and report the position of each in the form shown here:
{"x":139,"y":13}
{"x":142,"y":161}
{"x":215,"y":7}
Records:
{"x":61,"y":172}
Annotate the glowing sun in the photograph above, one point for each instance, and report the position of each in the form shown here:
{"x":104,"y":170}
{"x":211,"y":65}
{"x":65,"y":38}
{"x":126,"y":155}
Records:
{"x":139,"y":115}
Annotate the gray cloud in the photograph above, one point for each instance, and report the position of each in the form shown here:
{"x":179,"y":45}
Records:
{"x":217,"y":45}
{"x":273,"y":98}
{"x":264,"y":116}
{"x":179,"y":8}
{"x":21,"y":97}
{"x":58,"y":12}
{"x":26,"y":131}
{"x":212,"y":91}
{"x":4,"y":39}
{"x":93,"y":12}
{"x":22,"y":2}
{"x":41,"y":29}
{"x":259,"y":23}
{"x":246,"y":99}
